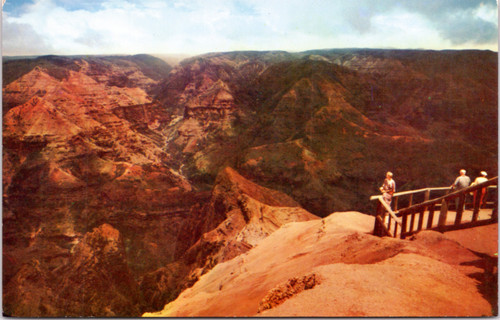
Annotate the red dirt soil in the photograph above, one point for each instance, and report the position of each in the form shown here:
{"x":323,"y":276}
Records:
{"x":358,"y":274}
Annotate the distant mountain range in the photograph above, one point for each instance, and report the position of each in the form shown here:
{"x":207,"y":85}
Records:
{"x":125,"y":179}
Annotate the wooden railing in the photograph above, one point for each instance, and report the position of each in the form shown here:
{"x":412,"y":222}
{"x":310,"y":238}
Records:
{"x":403,"y":222}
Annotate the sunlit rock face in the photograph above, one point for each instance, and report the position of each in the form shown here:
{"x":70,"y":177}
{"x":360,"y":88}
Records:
{"x":184,"y":168}
{"x":81,"y":150}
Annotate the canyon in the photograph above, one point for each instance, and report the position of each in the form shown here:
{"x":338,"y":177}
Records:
{"x":133,"y":186}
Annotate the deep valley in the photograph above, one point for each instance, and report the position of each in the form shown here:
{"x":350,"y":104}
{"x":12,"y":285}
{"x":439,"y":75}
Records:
{"x":127,"y":181}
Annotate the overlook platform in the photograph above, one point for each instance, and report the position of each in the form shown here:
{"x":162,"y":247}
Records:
{"x":470,"y":210}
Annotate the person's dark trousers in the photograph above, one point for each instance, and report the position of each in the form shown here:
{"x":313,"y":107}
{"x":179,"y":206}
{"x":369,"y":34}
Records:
{"x":457,"y":201}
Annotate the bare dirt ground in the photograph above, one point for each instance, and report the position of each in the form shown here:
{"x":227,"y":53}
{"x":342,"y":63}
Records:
{"x":484,"y":242}
{"x":355,"y":274}
{"x":479,"y":239}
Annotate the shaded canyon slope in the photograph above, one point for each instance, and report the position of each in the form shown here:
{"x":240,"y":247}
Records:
{"x":324,"y":126}
{"x":125,"y":173}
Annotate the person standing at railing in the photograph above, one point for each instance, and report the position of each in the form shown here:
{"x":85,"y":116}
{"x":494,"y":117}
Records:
{"x":461,"y":182}
{"x":482,"y":178}
{"x":388,"y":188}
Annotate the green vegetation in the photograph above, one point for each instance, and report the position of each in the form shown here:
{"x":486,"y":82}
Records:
{"x":421,"y":114}
{"x":58,"y":67}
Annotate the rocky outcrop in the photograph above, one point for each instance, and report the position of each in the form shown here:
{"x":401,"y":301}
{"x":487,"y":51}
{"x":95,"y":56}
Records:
{"x":98,"y":268}
{"x":207,"y":103}
{"x":251,"y":214}
{"x":281,"y":293}
{"x":94,"y":280}
{"x":29,"y":292}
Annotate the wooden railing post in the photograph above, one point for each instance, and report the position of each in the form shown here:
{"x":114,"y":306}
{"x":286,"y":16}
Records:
{"x":427,"y":195}
{"x":422,"y":211}
{"x":380,"y":229}
{"x":477,"y":203}
{"x":430,"y":218}
{"x":412,"y":221}
{"x":421,"y":218}
{"x":377,"y":228}
{"x":460,"y":209}
{"x":494,"y":213}
{"x":403,"y":226}
{"x":443,"y":213}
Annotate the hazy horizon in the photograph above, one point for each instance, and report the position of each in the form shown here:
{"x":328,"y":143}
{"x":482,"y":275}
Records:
{"x":186,"y":55}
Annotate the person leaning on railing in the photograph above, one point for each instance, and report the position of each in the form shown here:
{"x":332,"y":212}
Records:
{"x":482,"y":178}
{"x":461,"y":182}
{"x":388,"y":188}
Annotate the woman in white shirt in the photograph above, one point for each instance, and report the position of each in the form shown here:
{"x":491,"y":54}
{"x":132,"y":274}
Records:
{"x":482,"y":178}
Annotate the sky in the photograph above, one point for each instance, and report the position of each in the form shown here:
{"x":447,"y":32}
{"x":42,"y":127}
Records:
{"x":36,"y":27}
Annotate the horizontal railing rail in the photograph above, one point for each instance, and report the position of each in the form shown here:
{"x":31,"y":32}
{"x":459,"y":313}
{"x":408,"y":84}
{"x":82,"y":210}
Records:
{"x":411,"y":193}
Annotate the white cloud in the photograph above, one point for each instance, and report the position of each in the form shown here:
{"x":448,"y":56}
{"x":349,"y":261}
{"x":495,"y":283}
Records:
{"x":197,"y":26}
{"x":393,"y":30}
{"x":20,"y":39}
{"x":487,"y":13}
